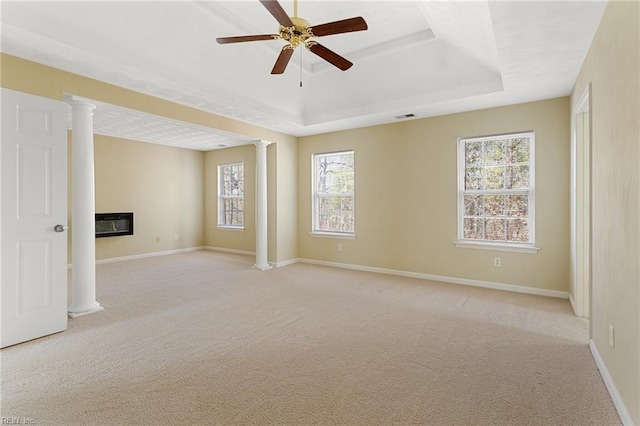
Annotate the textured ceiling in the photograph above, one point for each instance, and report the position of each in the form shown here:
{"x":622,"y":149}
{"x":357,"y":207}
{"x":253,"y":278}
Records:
{"x":112,"y":120}
{"x":422,"y":57}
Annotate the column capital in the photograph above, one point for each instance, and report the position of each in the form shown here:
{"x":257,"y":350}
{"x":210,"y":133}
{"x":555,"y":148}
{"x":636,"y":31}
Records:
{"x":79,"y":103}
{"x":261,"y":143}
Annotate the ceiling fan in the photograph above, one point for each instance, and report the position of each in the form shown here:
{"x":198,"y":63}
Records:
{"x":296,"y":31}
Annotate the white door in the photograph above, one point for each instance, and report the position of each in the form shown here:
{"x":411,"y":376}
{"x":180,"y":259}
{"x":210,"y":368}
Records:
{"x":33,"y":164}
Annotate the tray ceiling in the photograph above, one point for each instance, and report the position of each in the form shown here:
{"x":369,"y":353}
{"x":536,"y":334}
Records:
{"x":421,"y":57}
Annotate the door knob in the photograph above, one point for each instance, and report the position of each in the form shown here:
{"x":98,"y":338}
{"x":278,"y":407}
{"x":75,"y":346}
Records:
{"x":60,"y":228}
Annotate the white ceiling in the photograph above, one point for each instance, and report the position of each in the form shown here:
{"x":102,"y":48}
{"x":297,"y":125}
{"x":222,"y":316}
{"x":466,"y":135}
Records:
{"x":422,"y":57}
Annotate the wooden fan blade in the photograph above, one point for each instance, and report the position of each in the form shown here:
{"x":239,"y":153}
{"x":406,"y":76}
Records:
{"x":241,"y":39}
{"x":282,"y":61}
{"x":339,"y":27}
{"x":278,"y":12}
{"x":329,"y":56}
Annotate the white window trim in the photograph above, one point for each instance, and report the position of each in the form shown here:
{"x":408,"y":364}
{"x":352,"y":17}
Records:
{"x":340,"y":235}
{"x":510,"y":247}
{"x":230,"y":228}
{"x":327,"y":234}
{"x":221,"y":225}
{"x":461,"y":242}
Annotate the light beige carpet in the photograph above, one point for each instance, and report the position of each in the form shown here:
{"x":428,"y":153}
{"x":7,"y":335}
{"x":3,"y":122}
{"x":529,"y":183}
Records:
{"x":200,"y":338}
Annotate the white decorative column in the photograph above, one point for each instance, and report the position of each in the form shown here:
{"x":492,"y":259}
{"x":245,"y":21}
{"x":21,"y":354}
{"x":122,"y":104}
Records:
{"x":83,"y":291}
{"x":261,"y":206}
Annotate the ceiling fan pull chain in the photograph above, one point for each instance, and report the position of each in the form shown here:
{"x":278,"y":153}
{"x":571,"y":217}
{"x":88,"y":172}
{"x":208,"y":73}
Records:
{"x":301,"y":67}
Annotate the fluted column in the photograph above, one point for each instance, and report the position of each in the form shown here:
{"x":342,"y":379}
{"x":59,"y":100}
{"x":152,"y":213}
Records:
{"x":83,"y":291}
{"x":261,"y":206}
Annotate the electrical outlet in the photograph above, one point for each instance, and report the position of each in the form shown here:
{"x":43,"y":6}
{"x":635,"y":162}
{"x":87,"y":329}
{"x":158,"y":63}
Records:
{"x":157,"y":239}
{"x":612,"y":341}
{"x":339,"y":247}
{"x":175,"y":237}
{"x":497,"y":262}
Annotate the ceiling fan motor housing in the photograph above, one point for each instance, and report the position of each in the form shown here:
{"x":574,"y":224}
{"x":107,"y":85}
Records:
{"x":298,"y":34}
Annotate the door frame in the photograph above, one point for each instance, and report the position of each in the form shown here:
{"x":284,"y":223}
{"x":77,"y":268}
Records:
{"x":581,"y":155}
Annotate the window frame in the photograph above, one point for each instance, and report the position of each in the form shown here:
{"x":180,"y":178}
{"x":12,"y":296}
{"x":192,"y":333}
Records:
{"x":528,"y":247}
{"x":314,"y":197}
{"x":221,"y":197}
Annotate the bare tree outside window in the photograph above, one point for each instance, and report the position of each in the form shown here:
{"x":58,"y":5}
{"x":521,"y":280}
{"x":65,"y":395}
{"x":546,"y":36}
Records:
{"x":231,"y":195}
{"x":496,"y":189}
{"x":334,"y":193}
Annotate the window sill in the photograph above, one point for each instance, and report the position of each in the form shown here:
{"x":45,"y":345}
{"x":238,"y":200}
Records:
{"x":230,"y":228}
{"x":333,"y":235}
{"x":516,"y":248}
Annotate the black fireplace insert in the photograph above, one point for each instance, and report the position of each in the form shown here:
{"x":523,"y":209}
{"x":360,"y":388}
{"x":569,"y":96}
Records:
{"x":114,"y":224}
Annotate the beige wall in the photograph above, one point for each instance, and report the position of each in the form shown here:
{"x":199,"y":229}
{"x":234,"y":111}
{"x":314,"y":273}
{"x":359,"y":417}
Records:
{"x":406,"y":194}
{"x":243,"y":240}
{"x":33,"y":78}
{"x":612,"y":68}
{"x":161,"y":185}
{"x":280,"y":242}
{"x":287,"y":199}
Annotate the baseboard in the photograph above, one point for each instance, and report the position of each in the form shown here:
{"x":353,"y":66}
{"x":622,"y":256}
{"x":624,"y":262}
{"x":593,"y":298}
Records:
{"x":146,"y":255}
{"x":251,"y":253}
{"x":453,"y":280}
{"x":284,"y":262}
{"x":611,"y":386}
{"x":573,"y":305}
{"x":143,"y":255}
{"x":228,"y":250}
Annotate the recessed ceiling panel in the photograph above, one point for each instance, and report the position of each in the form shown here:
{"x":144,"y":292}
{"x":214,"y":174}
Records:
{"x":429,"y":57}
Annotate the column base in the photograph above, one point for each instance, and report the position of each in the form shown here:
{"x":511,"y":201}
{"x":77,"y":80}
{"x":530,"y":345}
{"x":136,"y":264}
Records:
{"x":87,"y":312}
{"x":262,"y":268}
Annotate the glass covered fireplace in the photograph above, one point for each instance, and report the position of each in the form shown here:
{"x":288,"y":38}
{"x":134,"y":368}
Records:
{"x":114,"y":224}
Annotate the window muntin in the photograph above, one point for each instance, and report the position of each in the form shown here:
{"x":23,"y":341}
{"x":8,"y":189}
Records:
{"x":496,"y":189}
{"x":333,"y":193}
{"x":231,"y":195}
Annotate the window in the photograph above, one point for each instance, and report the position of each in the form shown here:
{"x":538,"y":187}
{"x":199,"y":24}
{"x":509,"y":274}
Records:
{"x":496,"y":195}
{"x":231,"y":195}
{"x":333,"y":193}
